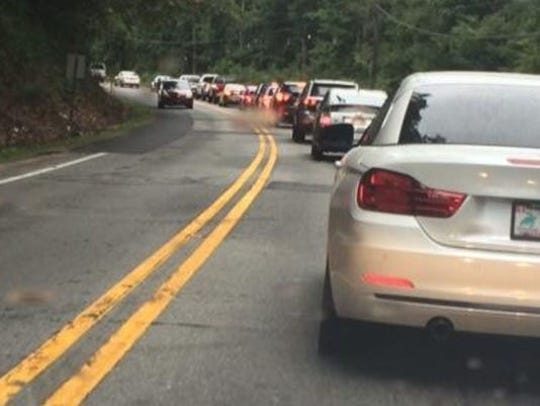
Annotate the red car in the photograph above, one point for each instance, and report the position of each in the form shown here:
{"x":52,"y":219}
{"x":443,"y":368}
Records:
{"x":284,"y":99}
{"x":249,"y":97}
{"x":217,"y":87}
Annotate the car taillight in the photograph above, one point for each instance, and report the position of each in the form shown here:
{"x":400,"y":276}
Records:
{"x":311,"y":101}
{"x":391,"y":192}
{"x":325,"y":120}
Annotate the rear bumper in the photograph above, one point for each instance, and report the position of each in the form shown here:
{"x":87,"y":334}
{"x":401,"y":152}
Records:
{"x":284,"y":113}
{"x":232,"y":100}
{"x":477,"y":290}
{"x":305,"y":121}
{"x":398,"y":310}
{"x":180,"y":101}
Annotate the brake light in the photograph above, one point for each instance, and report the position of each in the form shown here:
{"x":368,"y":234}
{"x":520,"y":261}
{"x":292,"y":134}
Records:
{"x":279,"y":97}
{"x":392,"y":192}
{"x":325,"y":120}
{"x":311,"y":102}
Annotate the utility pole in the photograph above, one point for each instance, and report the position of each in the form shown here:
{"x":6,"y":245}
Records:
{"x":241,"y":25}
{"x":373,"y":68}
{"x":193,"y":48}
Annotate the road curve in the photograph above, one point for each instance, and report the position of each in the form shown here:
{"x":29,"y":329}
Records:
{"x":241,"y":330}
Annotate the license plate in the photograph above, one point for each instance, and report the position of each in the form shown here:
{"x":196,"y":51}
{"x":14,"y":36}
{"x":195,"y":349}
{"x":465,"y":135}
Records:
{"x":526,"y":221}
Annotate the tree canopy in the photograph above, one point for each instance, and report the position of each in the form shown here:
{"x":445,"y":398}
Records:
{"x":374,"y":41}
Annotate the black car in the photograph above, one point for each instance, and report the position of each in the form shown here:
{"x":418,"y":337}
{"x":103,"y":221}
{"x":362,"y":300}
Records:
{"x":304,"y":110}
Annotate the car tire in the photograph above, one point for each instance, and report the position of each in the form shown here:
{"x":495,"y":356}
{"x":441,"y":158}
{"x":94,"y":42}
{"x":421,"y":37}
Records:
{"x":316,"y":152}
{"x":298,"y":136}
{"x":332,"y":329}
{"x":189,"y":106}
{"x":160,"y":105}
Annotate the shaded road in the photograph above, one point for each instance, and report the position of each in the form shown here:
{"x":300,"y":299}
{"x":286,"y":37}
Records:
{"x":244,"y":330}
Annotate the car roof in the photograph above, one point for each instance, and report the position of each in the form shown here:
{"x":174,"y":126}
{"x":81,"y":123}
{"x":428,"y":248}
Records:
{"x":465,"y":77}
{"x":334,"y":82}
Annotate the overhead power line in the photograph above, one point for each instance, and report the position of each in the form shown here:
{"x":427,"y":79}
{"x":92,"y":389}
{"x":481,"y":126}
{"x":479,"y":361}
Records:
{"x":425,"y":31}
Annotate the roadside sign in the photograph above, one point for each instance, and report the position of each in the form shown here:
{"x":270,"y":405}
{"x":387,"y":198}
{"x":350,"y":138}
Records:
{"x":76,"y":67}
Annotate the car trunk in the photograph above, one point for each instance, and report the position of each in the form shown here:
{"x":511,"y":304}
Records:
{"x":502,"y":209}
{"x":359,"y":120}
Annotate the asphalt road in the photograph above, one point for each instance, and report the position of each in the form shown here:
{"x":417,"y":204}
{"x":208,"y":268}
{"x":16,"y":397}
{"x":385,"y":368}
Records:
{"x":243,"y":330}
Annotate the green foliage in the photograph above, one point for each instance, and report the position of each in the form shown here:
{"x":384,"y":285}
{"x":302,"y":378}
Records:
{"x":373,"y":41}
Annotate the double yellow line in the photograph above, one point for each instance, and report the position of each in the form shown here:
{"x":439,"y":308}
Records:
{"x":77,"y":388}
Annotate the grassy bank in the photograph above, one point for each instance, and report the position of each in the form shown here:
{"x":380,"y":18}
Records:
{"x":137,"y":116}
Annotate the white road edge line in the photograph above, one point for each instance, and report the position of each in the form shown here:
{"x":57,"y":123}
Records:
{"x":51,"y":168}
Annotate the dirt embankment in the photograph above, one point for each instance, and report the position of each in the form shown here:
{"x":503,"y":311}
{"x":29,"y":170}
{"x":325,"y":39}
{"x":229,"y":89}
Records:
{"x":36,"y":114}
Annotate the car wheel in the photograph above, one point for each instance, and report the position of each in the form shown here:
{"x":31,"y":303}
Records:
{"x":332,"y":330}
{"x":298,"y":136}
{"x":316,"y":152}
{"x":160,"y":105}
{"x":189,"y":106}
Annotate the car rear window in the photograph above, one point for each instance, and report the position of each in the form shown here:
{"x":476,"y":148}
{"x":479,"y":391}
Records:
{"x":292,"y":88}
{"x":320,"y":89}
{"x":498,"y":115}
{"x":173,"y":84}
{"x":183,"y":84}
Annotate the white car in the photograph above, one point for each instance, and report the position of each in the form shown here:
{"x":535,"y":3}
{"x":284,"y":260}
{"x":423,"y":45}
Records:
{"x":156,"y":82}
{"x":193,"y":81}
{"x":127,"y":78}
{"x":203,"y":87}
{"x":98,"y":71}
{"x":232,"y":94}
{"x":342,"y":117}
{"x":435,"y":218}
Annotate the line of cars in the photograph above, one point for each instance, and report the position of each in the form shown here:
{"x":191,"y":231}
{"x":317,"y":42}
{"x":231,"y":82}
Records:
{"x":334,"y":112}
